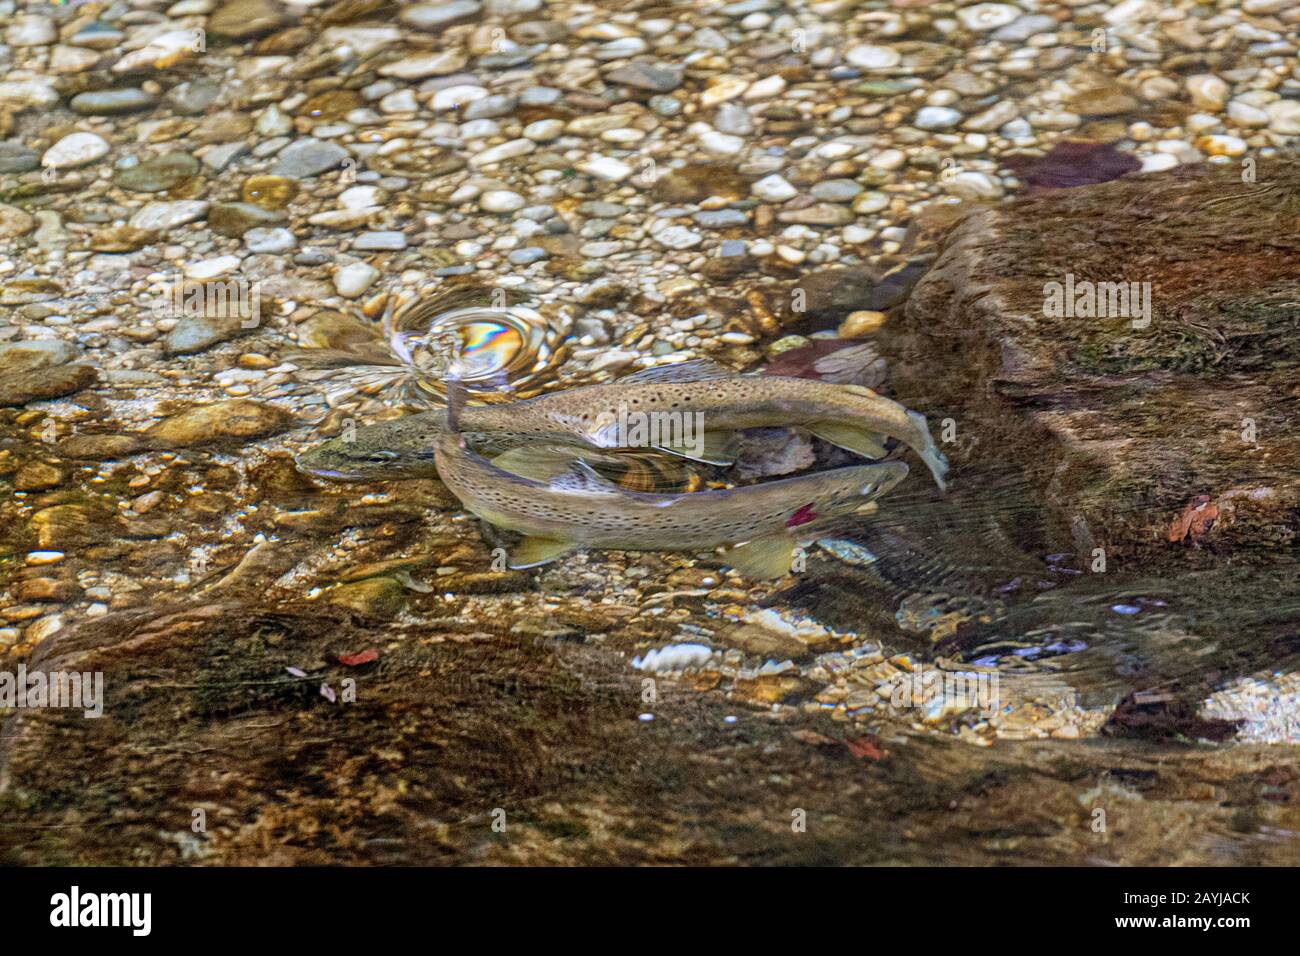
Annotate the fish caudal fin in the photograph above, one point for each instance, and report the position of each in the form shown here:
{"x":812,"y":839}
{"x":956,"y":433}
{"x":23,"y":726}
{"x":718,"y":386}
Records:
{"x":929,"y":452}
{"x":714,"y":448}
{"x":531,"y":552}
{"x":771,"y":556}
{"x":855,"y":439}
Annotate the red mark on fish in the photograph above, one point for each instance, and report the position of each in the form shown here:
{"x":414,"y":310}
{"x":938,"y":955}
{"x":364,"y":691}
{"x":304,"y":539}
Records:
{"x":802,"y":516}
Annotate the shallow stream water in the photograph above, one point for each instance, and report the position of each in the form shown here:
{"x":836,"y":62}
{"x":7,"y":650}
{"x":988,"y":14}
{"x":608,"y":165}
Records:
{"x":341,"y":672}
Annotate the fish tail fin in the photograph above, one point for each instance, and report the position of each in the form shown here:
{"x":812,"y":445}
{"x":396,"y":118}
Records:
{"x":771,"y":556}
{"x":857,"y":440}
{"x":929,"y":452}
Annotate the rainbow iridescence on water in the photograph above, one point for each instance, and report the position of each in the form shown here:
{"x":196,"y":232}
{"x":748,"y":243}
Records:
{"x":490,"y":349}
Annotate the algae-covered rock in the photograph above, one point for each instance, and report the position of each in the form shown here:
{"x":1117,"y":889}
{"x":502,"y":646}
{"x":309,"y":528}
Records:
{"x":43,"y":383}
{"x":1134,"y":347}
{"x":381,"y":597}
{"x":241,"y":420}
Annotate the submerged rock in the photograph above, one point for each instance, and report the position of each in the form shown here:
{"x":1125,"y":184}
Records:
{"x":205,"y":424}
{"x":157,"y":174}
{"x":43,"y":383}
{"x":194,"y":333}
{"x":230,"y":422}
{"x":1137,"y":358}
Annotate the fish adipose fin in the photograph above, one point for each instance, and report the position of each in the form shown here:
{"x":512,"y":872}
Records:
{"x":531,"y":552}
{"x":854,"y":439}
{"x":771,"y":556}
{"x":696,"y":370}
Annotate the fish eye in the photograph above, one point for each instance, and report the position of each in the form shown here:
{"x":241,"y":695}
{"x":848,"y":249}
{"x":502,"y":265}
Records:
{"x":382,"y":456}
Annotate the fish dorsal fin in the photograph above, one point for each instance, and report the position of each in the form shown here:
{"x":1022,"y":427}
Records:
{"x":581,"y":477}
{"x":530,"y":552}
{"x":696,"y":370}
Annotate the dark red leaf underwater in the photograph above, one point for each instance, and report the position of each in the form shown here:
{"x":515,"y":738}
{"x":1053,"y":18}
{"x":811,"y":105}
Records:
{"x":1072,"y":164}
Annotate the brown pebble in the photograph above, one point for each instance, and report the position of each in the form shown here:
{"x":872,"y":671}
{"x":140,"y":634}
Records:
{"x":37,"y":476}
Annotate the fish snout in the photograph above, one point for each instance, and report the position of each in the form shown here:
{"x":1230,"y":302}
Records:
{"x":885,"y":475}
{"x":328,"y":461}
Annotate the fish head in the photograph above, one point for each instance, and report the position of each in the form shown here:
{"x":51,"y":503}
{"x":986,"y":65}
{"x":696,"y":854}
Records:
{"x":850,"y":491}
{"x":372,"y":453}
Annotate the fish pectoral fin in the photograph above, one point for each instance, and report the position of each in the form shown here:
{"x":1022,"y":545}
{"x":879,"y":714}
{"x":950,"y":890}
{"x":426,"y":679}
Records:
{"x":538,"y":462}
{"x":531,"y":552}
{"x":581,"y":477}
{"x":714,"y":448}
{"x":858,"y":440}
{"x":696,"y":370}
{"x":528,"y":463}
{"x":762,"y":559}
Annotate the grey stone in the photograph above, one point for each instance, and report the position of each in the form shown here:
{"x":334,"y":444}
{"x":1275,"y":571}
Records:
{"x":658,"y":78}
{"x":526,"y":255}
{"x":112,"y":102}
{"x":194,"y":333}
{"x":305,"y":158}
{"x":836,"y":190}
{"x":17,"y":158}
{"x":436,"y":16}
{"x":721,"y":218}
{"x":386,"y":241}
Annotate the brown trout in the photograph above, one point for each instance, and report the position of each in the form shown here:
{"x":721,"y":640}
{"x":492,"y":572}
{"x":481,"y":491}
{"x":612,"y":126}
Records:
{"x":690,"y":409}
{"x":762,"y":524}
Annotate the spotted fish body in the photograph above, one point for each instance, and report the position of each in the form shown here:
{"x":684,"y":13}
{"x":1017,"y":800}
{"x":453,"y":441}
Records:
{"x":592,"y":416}
{"x":579,"y":510}
{"x":847,"y":415}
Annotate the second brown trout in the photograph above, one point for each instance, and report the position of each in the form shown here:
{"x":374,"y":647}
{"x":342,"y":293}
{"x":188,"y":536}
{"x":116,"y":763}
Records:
{"x":762,"y":524}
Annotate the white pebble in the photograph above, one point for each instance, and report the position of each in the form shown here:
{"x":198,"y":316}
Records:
{"x":1284,"y":117}
{"x":605,"y":167}
{"x":501,"y":200}
{"x":936,"y":117}
{"x":870,"y":57}
{"x":1207,"y":91}
{"x":544,"y":130}
{"x":206,"y":269}
{"x":75,"y":149}
{"x":355,"y":278}
{"x":773,"y":189}
{"x":453,"y":97}
{"x":987,"y":16}
{"x":1158,"y":162}
{"x":721,"y":143}
{"x":678,"y":237}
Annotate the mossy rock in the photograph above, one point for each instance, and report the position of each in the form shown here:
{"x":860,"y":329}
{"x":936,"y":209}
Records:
{"x":1121,"y":418}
